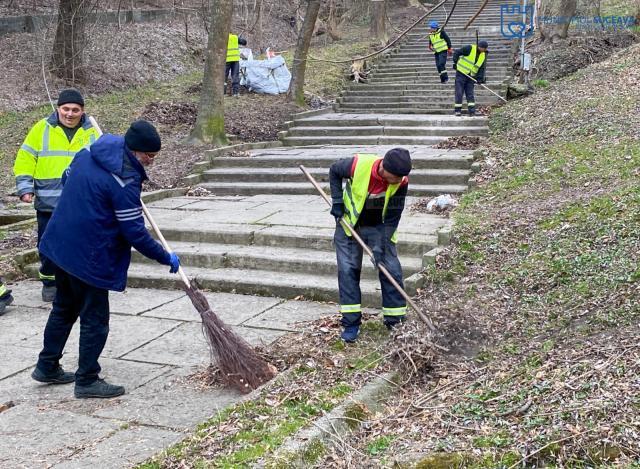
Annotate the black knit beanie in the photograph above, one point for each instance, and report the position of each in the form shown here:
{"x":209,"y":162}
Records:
{"x":142,"y":136}
{"x":483,"y":44}
{"x":70,"y":96}
{"x":397,"y":161}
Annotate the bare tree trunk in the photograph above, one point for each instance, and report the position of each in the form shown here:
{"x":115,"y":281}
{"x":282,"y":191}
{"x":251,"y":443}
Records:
{"x":296,"y":91}
{"x":68,"y":47}
{"x":209,"y":126}
{"x":259,"y":26}
{"x":378,"y":20}
{"x":554,"y":18}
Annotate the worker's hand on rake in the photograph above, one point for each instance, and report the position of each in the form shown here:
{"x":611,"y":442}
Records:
{"x":449,"y":52}
{"x":174,"y":263}
{"x":481,"y":82}
{"x":337,"y":210}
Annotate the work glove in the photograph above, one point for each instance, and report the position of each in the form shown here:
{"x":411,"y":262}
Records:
{"x":449,"y":52}
{"x":174,"y":262}
{"x":337,"y":210}
{"x":481,"y":82}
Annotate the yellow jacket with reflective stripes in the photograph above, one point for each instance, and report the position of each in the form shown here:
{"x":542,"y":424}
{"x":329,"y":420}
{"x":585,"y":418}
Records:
{"x":43,"y":157}
{"x":470,"y":64}
{"x":437,"y":41}
{"x":233,"y":50}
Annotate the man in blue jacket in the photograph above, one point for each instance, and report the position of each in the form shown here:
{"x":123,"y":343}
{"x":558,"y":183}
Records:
{"x":89,"y":238}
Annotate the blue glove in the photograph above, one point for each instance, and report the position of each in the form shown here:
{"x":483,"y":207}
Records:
{"x":174,"y":262}
{"x":337,"y":210}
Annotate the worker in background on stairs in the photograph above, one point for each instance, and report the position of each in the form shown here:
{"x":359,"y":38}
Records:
{"x":440,"y":44}
{"x":233,"y":65}
{"x":372,"y":202}
{"x":45,"y":154}
{"x":5,"y":298}
{"x":469,"y":62}
{"x":89,"y":238}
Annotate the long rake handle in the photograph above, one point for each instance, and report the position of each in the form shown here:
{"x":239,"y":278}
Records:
{"x":152,"y":222}
{"x":380,"y":266}
{"x":485,"y":87}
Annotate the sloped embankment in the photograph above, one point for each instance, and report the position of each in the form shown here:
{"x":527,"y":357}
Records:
{"x":545,"y":266}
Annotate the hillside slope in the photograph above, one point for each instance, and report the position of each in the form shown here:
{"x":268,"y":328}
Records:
{"x":544,"y":268}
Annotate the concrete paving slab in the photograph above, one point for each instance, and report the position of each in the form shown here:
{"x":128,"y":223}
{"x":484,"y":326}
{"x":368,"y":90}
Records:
{"x":287,"y":315}
{"x":320,"y":219}
{"x":126,"y":333}
{"x":23,"y":326}
{"x":15,"y":359}
{"x":28,"y":293}
{"x":173,"y":203}
{"x":33,"y":438}
{"x":136,"y":301}
{"x":232,"y":309}
{"x":171,"y":402}
{"x":186,"y":345}
{"x":205,"y":205}
{"x":22,"y":388}
{"x":124,"y":448}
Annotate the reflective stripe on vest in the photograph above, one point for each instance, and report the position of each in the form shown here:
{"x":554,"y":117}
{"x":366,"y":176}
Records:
{"x":3,"y":290}
{"x":470,"y":64}
{"x":357,"y":189}
{"x":437,"y":42}
{"x":233,"y":51}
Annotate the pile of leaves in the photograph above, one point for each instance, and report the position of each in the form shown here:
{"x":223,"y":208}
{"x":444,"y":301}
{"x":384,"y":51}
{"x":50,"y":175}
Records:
{"x":462,"y":142}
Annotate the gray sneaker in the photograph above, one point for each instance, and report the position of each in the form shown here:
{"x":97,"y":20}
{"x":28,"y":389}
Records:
{"x":48,"y":294}
{"x":59,"y":377}
{"x":99,"y":388}
{"x":4,"y":302}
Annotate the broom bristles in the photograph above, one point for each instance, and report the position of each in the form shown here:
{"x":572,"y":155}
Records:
{"x":240,"y":366}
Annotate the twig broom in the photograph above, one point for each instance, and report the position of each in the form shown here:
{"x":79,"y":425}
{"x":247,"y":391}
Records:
{"x":240,"y":366}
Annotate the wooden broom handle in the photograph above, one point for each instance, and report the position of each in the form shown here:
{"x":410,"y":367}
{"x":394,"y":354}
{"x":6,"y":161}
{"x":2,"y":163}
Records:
{"x":147,"y":214}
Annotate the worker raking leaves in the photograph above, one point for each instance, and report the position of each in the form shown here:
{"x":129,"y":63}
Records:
{"x":372,"y":202}
{"x":440,"y":44}
{"x":470,"y":63}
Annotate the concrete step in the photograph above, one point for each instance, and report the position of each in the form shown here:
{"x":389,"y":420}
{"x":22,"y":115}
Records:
{"x":485,"y":98}
{"x":439,"y":159}
{"x":439,"y":131}
{"x":269,"y":258}
{"x":418,"y":176}
{"x":430,"y":93}
{"x":253,"y":282}
{"x":320,"y":239}
{"x":395,"y":106}
{"x":369,"y":140}
{"x":411,"y":88}
{"x":444,"y":110}
{"x":340,"y":120}
{"x":297,"y":188}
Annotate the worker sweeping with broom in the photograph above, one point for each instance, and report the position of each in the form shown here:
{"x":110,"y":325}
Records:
{"x":89,"y":238}
{"x":372,"y":203}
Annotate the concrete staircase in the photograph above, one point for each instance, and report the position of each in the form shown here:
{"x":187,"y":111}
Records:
{"x":265,"y":231}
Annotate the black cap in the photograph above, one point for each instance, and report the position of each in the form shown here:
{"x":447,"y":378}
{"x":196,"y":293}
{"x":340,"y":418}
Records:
{"x":242,"y":41}
{"x":142,"y":136}
{"x":397,"y":161}
{"x":483,"y":44}
{"x":70,"y":96}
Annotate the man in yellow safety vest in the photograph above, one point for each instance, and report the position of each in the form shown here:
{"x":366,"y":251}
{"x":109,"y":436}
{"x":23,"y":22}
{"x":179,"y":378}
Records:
{"x":45,"y":154}
{"x":372,"y":202}
{"x":233,"y":65}
{"x":440,"y":44}
{"x":469,"y":62}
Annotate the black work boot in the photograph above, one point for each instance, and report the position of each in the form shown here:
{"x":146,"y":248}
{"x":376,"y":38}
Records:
{"x":5,"y":301}
{"x":59,"y":377}
{"x":392,"y":321}
{"x":99,"y":388}
{"x":48,"y":293}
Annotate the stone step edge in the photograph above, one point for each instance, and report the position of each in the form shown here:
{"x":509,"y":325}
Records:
{"x":308,"y":445}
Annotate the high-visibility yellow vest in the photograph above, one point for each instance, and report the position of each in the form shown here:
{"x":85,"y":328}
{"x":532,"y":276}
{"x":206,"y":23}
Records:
{"x":43,"y":157}
{"x":470,"y":64}
{"x":357,"y":190}
{"x":233,"y":50}
{"x":437,"y":43}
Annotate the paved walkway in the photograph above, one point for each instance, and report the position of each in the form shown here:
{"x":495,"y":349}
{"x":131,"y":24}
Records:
{"x":154,"y":344}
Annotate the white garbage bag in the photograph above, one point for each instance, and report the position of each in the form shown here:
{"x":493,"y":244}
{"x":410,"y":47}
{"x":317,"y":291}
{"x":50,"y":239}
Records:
{"x":441,"y":203}
{"x":269,"y":76}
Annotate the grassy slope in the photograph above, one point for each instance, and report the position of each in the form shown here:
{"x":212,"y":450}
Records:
{"x":546,"y":264}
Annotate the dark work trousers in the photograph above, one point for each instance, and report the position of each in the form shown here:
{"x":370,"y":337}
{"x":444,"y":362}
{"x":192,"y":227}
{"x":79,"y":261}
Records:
{"x":441,"y":64}
{"x":75,"y":298}
{"x":349,"y":256}
{"x":232,"y":68}
{"x":464,"y":85}
{"x":47,"y":270}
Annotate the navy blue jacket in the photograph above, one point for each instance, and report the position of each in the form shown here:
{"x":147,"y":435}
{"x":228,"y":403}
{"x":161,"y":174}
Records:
{"x":99,"y":217}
